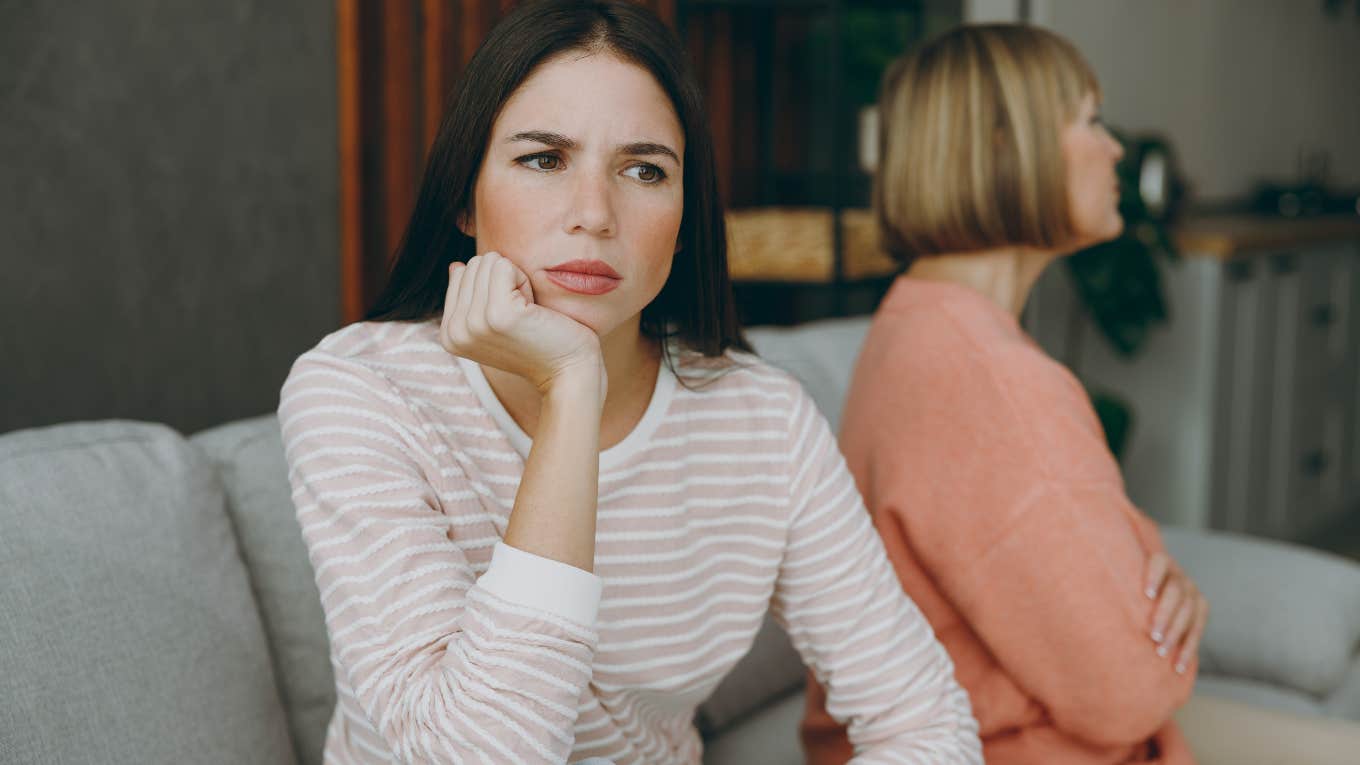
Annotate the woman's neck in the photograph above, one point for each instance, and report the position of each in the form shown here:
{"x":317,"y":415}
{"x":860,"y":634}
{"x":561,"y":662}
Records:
{"x":631,"y":361}
{"x":1004,"y":275}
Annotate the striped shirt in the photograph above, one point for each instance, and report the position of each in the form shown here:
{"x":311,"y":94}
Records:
{"x":727,"y":499}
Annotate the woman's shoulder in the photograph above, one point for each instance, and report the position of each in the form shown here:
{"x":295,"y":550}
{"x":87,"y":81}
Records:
{"x":940,"y":334}
{"x":389,"y":356}
{"x":959,"y":362}
{"x":736,"y":379}
{"x":366,"y":340}
{"x":947,"y":315}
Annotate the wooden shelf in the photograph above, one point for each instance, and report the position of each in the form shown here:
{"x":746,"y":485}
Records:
{"x":1229,"y":236}
{"x":794,"y":244}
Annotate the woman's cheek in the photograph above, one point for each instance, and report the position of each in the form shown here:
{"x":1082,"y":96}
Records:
{"x":503,"y":210}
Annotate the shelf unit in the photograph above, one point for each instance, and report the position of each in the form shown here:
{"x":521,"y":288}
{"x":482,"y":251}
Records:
{"x":1248,"y":402}
{"x":778,"y":77}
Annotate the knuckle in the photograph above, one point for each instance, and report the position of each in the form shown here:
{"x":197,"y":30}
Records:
{"x":458,"y":335}
{"x":499,"y":320}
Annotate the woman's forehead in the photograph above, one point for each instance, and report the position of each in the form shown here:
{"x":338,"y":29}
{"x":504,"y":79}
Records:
{"x":589,"y":96}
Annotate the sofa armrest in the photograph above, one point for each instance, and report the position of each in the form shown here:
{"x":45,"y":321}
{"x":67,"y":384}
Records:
{"x":1279,"y":613}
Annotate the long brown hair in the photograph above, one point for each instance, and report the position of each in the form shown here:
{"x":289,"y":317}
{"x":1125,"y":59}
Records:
{"x":695,"y":307}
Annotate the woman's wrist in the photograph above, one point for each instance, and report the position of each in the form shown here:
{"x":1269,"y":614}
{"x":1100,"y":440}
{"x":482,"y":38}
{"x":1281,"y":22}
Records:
{"x":579,"y":382}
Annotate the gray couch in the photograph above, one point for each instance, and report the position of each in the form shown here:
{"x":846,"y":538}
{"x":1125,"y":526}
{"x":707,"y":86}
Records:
{"x":157,"y":605}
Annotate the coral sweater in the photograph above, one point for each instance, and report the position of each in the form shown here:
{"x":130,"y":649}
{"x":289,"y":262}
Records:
{"x":987,"y":474}
{"x":726,"y":500}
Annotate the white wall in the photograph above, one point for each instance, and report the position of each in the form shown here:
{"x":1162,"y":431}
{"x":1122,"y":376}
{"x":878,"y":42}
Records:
{"x":1239,"y":86}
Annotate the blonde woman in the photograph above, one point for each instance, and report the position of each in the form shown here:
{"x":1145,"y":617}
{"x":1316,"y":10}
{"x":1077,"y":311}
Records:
{"x":980,"y":458}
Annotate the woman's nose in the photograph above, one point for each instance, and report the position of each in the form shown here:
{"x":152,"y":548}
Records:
{"x":592,"y":209}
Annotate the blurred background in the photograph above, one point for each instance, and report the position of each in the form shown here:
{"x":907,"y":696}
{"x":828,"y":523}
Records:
{"x":193,"y":193}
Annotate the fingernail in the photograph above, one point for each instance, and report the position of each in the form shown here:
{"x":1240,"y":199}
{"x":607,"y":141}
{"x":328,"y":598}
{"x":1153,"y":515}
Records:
{"x":1162,"y":651}
{"x":1156,"y":636}
{"x":1150,"y":592}
{"x":1180,"y":669}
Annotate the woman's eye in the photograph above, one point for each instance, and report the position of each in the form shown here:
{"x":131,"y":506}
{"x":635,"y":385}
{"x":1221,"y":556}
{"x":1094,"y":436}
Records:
{"x":540,"y":161}
{"x":646,"y":173}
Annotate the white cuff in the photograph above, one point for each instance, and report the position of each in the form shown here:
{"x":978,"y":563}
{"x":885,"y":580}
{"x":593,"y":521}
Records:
{"x":543,"y":584}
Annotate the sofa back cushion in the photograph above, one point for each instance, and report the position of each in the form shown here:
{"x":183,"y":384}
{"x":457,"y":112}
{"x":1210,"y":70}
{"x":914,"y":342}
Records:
{"x":127,"y":626}
{"x":249,"y":458}
{"x":1281,"y":614}
{"x":820,"y":354}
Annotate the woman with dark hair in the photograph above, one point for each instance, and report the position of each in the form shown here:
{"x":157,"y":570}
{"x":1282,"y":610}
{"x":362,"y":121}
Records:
{"x":547,"y":496}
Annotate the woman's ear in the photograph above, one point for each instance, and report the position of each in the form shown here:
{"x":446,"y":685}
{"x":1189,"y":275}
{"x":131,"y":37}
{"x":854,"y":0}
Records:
{"x":465,"y":224}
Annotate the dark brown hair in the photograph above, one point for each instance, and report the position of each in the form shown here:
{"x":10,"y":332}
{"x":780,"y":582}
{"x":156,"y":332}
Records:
{"x":695,"y":306}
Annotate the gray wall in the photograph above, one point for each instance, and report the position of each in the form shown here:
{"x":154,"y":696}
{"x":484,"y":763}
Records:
{"x":168,"y":206}
{"x":1241,"y":87}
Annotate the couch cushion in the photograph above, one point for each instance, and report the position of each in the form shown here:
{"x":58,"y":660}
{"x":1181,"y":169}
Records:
{"x":249,"y":458}
{"x":1344,"y":702}
{"x":769,"y":737}
{"x":129,"y":630}
{"x":769,"y":671}
{"x":820,"y":354}
{"x":1258,"y":694}
{"x":1309,"y":638}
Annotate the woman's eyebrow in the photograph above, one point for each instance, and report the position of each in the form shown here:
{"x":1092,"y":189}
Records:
{"x":559,"y":141}
{"x":647,"y":148}
{"x":555,"y":140}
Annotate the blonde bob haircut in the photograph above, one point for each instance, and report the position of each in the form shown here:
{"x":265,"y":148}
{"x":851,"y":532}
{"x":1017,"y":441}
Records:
{"x":970,"y":154}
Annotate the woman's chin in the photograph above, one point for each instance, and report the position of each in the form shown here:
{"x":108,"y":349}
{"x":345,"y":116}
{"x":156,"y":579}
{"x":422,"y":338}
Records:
{"x":601,"y":322}
{"x":1115,"y":229}
{"x":1111,"y":230}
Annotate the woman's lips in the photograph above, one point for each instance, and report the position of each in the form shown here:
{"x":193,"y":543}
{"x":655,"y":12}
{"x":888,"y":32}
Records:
{"x":587,"y":277}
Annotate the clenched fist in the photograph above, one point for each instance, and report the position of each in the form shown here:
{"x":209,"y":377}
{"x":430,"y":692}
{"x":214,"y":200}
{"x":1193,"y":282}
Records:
{"x":490,"y":317}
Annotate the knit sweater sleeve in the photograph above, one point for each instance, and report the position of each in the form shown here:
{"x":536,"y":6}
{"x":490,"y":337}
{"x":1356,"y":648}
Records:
{"x":447,"y":666}
{"x":837,"y":596}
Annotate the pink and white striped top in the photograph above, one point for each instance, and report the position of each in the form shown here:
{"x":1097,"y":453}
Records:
{"x":726,"y":499}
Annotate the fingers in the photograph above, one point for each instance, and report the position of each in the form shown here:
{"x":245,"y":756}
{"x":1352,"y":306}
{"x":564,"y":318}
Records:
{"x":1166,"y":609}
{"x":505,"y":301}
{"x":1159,"y":565}
{"x":481,"y":292}
{"x":522,"y":283}
{"x":463,"y":304}
{"x":1192,"y":640}
{"x":1180,"y":623}
{"x":481,"y":298}
{"x":456,"y":272}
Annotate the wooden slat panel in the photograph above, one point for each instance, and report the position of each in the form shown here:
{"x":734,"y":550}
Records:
{"x":399,"y":109}
{"x":718,"y":87}
{"x":475,"y":23}
{"x":666,"y":10}
{"x":438,"y":38}
{"x":352,"y":302}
